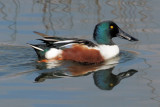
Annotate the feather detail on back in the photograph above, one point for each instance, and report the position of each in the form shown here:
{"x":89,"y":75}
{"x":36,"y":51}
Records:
{"x":58,"y":42}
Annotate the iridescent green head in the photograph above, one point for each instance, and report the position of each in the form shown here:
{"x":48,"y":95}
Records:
{"x":105,"y":31}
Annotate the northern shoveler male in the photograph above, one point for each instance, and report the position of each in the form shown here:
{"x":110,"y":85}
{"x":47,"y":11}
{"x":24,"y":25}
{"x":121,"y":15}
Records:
{"x":81,"y":50}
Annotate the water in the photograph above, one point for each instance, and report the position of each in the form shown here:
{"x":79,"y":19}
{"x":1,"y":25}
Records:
{"x":129,"y":80}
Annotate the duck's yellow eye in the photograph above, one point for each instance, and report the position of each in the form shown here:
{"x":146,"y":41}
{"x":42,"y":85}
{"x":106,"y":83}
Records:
{"x":111,"y":27}
{"x":111,"y":84}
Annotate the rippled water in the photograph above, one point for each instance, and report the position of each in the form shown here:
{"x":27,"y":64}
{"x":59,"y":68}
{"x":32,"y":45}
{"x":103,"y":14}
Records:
{"x":129,"y":80}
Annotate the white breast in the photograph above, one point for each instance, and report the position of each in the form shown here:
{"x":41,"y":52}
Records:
{"x":108,"y":51}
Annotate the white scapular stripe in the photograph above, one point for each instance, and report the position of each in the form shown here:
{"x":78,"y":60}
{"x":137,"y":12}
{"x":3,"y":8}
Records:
{"x":65,"y":41}
{"x":67,"y":45}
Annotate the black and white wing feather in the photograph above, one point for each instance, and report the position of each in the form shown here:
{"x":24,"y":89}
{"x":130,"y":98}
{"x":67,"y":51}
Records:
{"x":60,"y":42}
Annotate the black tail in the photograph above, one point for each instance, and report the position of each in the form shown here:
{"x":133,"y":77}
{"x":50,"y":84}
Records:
{"x":39,"y":50}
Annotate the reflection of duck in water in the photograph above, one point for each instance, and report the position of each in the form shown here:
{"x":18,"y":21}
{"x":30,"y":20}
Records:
{"x":106,"y":80}
{"x":72,"y":69}
{"x":80,"y":50}
{"x":102,"y":73}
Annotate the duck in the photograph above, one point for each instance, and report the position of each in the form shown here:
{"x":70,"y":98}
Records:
{"x":79,"y":50}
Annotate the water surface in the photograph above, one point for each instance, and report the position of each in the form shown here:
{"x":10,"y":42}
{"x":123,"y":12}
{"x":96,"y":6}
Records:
{"x":129,"y":80}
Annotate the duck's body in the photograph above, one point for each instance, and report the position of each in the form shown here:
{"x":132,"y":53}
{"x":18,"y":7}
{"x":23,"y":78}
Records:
{"x":83,"y":53}
{"x":80,"y":50}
